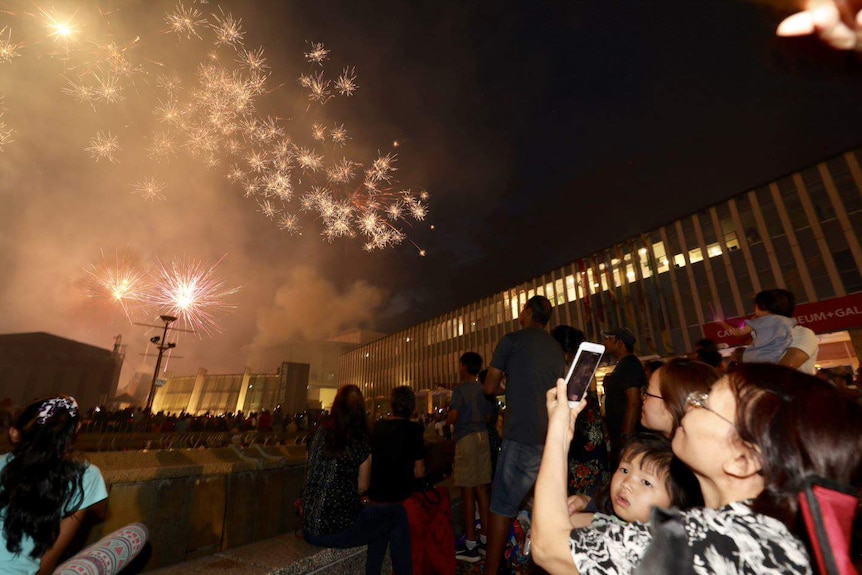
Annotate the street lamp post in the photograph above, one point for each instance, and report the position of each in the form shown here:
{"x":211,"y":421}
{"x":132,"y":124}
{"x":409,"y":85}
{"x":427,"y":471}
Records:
{"x":162,"y":347}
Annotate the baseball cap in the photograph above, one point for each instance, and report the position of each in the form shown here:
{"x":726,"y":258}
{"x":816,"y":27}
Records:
{"x":623,"y":334}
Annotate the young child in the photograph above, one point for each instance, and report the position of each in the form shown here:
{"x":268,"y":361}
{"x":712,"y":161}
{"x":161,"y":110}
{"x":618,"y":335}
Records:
{"x":44,"y":492}
{"x":471,"y":469}
{"x":648,"y":476}
{"x":771,"y":331}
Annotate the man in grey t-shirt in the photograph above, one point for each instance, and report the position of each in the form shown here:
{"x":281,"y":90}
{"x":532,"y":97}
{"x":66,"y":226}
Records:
{"x":531,"y":361}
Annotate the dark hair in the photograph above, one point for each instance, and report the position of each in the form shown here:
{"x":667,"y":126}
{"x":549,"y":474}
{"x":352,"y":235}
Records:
{"x":709,"y":356}
{"x":541,"y":308}
{"x":652,"y":365}
{"x":403,"y":401}
{"x":347,"y":420}
{"x":679,"y":377}
{"x":569,"y":338}
{"x":803,"y":427}
{"x":472,"y":361}
{"x":40,"y":484}
{"x":658,"y":457}
{"x":777,"y":301}
{"x":705,"y":343}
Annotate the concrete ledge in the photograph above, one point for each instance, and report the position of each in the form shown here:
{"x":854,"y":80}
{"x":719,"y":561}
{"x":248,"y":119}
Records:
{"x":283,"y":555}
{"x":208,"y":506}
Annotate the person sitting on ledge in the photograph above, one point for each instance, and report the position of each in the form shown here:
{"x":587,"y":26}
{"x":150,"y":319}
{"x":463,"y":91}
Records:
{"x":335,"y":508}
{"x":44,"y":492}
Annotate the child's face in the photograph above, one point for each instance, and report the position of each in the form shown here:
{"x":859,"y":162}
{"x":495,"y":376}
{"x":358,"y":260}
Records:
{"x":634,"y":491}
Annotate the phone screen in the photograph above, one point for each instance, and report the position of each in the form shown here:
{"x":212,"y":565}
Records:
{"x":581,"y":373}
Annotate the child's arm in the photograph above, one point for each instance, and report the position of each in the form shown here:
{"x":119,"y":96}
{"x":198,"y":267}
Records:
{"x":580,"y":519}
{"x":576,"y":505}
{"x":736,"y":331}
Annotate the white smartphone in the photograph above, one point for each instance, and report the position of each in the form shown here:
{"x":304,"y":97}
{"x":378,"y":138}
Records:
{"x":583,"y":368}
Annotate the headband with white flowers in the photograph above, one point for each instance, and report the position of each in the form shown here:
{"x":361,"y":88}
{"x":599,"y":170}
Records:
{"x":49,"y":406}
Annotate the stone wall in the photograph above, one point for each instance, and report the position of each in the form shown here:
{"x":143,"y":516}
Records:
{"x":199,"y":501}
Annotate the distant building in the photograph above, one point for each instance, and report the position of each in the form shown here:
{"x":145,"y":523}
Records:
{"x":800,"y":232}
{"x":230,"y":393}
{"x":305,"y":377}
{"x":33,"y":365}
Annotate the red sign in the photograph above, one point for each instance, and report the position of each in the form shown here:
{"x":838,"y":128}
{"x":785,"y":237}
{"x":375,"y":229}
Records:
{"x":821,"y":317}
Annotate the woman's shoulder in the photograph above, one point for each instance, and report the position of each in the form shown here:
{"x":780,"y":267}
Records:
{"x":736,"y":530}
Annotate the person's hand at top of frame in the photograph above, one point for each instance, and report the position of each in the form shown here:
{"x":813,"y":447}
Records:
{"x":834,"y":21}
{"x":561,"y":418}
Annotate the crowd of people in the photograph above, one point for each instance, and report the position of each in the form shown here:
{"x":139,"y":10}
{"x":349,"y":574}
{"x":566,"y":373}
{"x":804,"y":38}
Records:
{"x":714,"y":449}
{"x":695,"y":462}
{"x":745,"y":436}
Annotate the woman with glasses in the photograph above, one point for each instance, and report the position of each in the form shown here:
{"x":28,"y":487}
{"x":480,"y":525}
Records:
{"x":752,"y":441}
{"x":663,"y":400}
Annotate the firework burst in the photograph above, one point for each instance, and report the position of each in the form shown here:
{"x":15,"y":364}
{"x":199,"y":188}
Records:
{"x":208,"y":110}
{"x":120,"y":282}
{"x":149,"y":189}
{"x":192,"y":292}
{"x":8,"y":49}
{"x":103,"y":147}
{"x":185,"y":22}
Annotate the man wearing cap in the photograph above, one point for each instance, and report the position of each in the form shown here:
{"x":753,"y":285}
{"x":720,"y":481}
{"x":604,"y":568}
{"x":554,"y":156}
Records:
{"x":622,"y":388}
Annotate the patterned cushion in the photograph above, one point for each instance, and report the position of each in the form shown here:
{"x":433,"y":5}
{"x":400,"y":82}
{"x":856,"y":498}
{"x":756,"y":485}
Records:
{"x":109,"y":554}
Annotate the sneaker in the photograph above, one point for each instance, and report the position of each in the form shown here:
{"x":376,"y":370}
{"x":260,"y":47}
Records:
{"x":462,"y":553}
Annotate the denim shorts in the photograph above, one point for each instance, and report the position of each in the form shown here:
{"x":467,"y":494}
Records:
{"x":517,"y":469}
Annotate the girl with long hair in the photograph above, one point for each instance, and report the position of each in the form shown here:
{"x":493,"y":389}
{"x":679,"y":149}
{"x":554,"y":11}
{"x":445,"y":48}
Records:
{"x":336,"y":512}
{"x":44,"y":492}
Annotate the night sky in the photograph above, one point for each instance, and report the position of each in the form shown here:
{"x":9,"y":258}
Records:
{"x":542,"y":131}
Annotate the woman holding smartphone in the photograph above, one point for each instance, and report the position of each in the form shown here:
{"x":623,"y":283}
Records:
{"x":752,"y":442}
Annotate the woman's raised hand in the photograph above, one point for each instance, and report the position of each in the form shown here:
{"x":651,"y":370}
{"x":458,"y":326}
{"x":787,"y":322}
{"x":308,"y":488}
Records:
{"x":561,"y":418}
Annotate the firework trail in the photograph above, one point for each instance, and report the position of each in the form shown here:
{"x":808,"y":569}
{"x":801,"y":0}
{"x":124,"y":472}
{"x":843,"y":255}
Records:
{"x":293,"y":171}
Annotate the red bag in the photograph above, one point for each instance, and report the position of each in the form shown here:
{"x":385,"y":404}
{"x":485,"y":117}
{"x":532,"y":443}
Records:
{"x":432,"y":539}
{"x":828,"y":510}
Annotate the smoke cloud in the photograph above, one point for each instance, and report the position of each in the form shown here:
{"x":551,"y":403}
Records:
{"x":311,"y":308}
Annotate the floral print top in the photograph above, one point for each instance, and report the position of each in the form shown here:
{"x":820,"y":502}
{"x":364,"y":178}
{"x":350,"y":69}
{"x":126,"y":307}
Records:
{"x":728,"y":541}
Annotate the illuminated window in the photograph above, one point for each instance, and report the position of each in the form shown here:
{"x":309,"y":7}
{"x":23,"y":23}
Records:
{"x":731,"y":240}
{"x":571,"y":292}
{"x":695,"y":255}
{"x":713,"y":250}
{"x":662,"y":263}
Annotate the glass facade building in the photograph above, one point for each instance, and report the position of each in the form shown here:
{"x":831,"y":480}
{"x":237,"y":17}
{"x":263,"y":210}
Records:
{"x":797,"y":232}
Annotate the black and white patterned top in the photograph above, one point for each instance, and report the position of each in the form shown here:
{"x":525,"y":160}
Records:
{"x":729,"y":540}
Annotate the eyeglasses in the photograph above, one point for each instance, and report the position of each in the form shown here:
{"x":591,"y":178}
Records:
{"x":645,"y":394}
{"x":698,"y":399}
